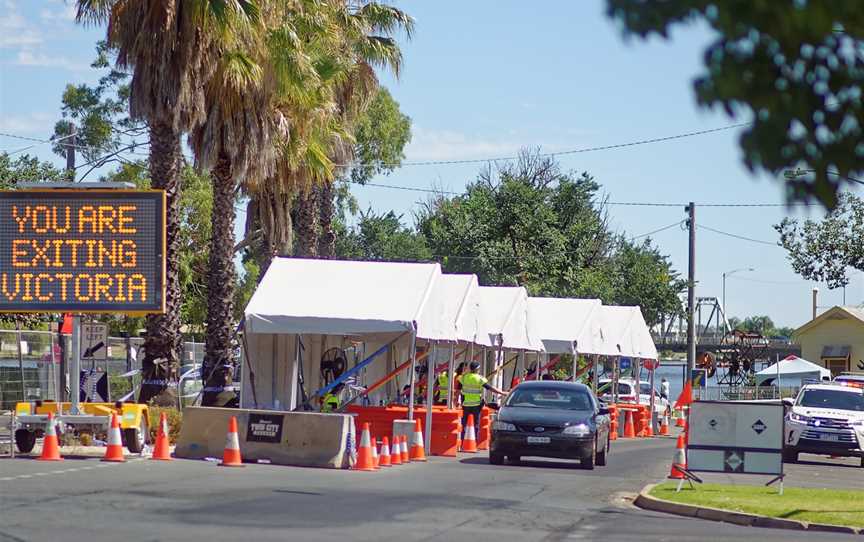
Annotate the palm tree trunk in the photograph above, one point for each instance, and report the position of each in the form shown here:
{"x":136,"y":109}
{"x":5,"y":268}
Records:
{"x":218,"y":366}
{"x":307,"y":223}
{"x":163,"y":343}
{"x":327,"y":241}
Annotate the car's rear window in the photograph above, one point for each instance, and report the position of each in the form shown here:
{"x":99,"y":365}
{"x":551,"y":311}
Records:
{"x":623,"y":388}
{"x":558,"y":398}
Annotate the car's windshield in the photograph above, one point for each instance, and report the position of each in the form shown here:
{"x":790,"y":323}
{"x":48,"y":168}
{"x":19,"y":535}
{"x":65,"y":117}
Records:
{"x":605,"y":388}
{"x":558,"y":398}
{"x":841,"y":400}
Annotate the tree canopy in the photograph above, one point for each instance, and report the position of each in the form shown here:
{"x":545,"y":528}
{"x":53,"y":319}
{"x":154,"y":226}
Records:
{"x":825,"y":250}
{"x":794,"y":68}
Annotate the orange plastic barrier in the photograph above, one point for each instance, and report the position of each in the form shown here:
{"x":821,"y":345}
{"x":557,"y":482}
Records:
{"x":613,"y":425}
{"x":484,"y":434}
{"x":445,"y":424}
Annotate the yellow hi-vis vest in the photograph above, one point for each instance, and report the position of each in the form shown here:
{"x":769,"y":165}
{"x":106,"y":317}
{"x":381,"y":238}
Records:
{"x":330,"y":403}
{"x":443,"y":384}
{"x":472,"y":389}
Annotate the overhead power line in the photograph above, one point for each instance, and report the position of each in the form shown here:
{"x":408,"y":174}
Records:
{"x":735,"y":236}
{"x":658,"y":230}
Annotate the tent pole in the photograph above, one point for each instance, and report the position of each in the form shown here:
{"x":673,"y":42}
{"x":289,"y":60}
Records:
{"x":430,"y":388}
{"x":651,"y":402}
{"x":450,"y":369}
{"x":412,"y":374}
{"x":575,"y":354}
{"x":596,"y":376}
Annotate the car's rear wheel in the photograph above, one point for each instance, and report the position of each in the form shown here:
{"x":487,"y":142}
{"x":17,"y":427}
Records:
{"x":790,"y":456}
{"x":25,"y":440}
{"x":496,"y":458}
{"x":588,"y":461}
{"x":601,"y":456}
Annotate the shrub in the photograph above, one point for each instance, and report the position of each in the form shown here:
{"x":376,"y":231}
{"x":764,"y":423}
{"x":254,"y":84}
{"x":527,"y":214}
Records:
{"x":175,"y":421}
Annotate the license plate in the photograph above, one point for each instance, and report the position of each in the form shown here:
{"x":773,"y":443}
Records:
{"x":834,"y":438}
{"x":539,"y":440}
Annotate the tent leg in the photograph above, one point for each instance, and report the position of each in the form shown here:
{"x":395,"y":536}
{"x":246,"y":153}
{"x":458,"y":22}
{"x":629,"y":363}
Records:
{"x":575,"y":354}
{"x":412,"y":375}
{"x":596,"y":373}
{"x":450,"y":379}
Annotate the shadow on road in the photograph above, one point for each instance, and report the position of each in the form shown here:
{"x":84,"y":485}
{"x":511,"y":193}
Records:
{"x":537,"y":463}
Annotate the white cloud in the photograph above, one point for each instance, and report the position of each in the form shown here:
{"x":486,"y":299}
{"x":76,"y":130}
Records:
{"x":29,"y":58}
{"x":65,"y":12}
{"x":40,"y":125}
{"x":453,"y":145}
{"x":14,"y":30}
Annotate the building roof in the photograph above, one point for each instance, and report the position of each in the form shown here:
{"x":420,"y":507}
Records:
{"x":834,"y":313}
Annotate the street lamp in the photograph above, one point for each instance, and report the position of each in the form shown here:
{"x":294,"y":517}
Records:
{"x":792,"y":174}
{"x":726,"y":274}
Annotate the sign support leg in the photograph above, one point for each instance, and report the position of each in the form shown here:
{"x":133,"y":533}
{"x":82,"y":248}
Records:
{"x":75,"y":367}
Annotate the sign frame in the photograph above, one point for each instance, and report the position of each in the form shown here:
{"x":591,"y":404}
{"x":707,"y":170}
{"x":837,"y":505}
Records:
{"x":158,"y":306}
{"x":729,"y":439}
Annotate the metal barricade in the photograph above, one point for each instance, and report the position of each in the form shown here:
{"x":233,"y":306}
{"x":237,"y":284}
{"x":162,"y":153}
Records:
{"x":7,"y":434}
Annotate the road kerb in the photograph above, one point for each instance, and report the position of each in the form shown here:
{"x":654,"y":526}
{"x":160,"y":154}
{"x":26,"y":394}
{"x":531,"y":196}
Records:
{"x":648,"y":502}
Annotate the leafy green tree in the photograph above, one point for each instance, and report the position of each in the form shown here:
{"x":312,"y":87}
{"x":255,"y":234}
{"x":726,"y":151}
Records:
{"x":381,"y":237}
{"x":825,"y":250}
{"x":26,"y":169}
{"x":795,"y":67}
{"x":645,"y":277}
{"x":526,"y":223}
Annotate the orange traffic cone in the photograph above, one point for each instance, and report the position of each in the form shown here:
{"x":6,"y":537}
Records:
{"x":231,"y":456}
{"x":664,"y":425}
{"x":629,"y":430}
{"x":162,"y":450}
{"x":384,"y":456}
{"x":50,"y":445}
{"x":395,"y":453}
{"x":114,"y":452}
{"x":648,"y":423}
{"x":469,"y":443}
{"x":403,"y":449}
{"x":365,"y":458}
{"x":679,"y":460}
{"x":681,"y":421}
{"x":418,"y":453}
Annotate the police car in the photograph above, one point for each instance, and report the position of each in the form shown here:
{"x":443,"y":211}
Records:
{"x":826,"y":419}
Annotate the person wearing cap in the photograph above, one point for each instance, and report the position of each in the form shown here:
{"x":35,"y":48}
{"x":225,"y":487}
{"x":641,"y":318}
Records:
{"x":473,"y":385}
{"x":444,"y":384}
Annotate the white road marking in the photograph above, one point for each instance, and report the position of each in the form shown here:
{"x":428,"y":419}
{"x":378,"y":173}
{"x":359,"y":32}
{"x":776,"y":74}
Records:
{"x":63,"y":471}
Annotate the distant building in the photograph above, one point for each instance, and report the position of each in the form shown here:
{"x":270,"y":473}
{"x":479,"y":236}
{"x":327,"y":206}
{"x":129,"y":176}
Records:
{"x":834,"y":340}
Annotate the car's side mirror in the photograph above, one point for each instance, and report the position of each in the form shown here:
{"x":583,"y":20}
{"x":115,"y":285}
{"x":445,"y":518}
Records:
{"x":603,"y":411}
{"x":788,"y":402}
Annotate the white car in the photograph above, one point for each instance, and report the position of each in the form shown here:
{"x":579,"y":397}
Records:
{"x":626,"y":394}
{"x":826,"y":419}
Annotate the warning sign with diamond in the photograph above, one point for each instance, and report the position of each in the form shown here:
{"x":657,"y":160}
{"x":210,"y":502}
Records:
{"x":736,"y":437}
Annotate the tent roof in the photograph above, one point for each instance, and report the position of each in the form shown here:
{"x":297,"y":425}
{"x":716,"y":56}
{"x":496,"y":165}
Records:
{"x":504,"y":313}
{"x":454,"y":304}
{"x":562,"y":324}
{"x":793,"y":366}
{"x":625,"y":333}
{"x":335,"y":297}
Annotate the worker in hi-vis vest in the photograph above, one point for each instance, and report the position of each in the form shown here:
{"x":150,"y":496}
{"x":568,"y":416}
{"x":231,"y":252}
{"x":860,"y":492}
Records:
{"x":330,"y":402}
{"x":444,"y":384}
{"x":473,"y":385}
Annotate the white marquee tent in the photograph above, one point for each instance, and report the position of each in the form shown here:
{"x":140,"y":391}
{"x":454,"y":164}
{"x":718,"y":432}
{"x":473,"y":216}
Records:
{"x":791,"y":368}
{"x":625,"y":333}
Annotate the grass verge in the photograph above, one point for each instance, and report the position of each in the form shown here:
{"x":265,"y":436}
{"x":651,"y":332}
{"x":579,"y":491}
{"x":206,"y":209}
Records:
{"x":834,"y":506}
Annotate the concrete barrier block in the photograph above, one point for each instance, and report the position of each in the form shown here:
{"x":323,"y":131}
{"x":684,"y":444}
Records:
{"x":284,"y":438}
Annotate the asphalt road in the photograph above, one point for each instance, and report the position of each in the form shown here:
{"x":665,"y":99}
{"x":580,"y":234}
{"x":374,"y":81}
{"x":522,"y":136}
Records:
{"x":445,"y":499}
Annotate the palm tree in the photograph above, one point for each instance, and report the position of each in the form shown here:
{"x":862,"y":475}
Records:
{"x":369,"y":43}
{"x":167,"y":45}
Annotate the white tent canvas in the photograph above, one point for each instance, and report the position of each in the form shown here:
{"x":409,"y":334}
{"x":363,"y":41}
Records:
{"x":504,"y":315}
{"x":565,"y":325}
{"x":793,"y":367}
{"x":334,"y":297}
{"x":454,"y":304}
{"x":625,"y":333}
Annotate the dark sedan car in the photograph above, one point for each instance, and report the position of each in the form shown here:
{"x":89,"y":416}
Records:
{"x":551,"y":419}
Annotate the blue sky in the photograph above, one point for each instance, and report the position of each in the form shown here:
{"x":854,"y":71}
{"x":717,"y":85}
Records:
{"x":483,"y":79}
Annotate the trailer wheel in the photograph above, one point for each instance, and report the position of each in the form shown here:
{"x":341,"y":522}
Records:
{"x":25,"y":440}
{"x":135,"y":439}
